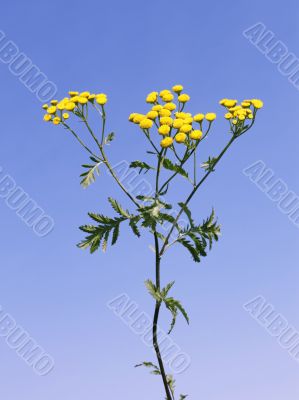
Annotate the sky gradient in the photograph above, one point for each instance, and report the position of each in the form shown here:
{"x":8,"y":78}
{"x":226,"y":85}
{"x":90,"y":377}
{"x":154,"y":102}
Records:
{"x":58,"y":293}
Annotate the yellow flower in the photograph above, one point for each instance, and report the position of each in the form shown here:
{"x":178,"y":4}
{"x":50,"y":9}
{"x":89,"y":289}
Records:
{"x":167,"y":97}
{"x":45,"y":106}
{"x":91,"y":97}
{"x":245,"y":104}
{"x":164,"y":92}
{"x":196,"y":134}
{"x":70,"y":106}
{"x":61,"y":105}
{"x":177,"y":88}
{"x":166,"y":121}
{"x":241,"y":117}
{"x":73,"y":93}
{"x":222,"y":102}
{"x":152,"y":114}
{"x":138,"y":118}
{"x":188,"y":120}
{"x":51,"y":110}
{"x":74,"y":99}
{"x":82,"y":100}
{"x":157,"y":107}
{"x":170,"y":106}
{"x":257,"y":103}
{"x":198,"y":117}
{"x":178,"y":123}
{"x":146,"y":123}
{"x":183,"y":98}
{"x":164,"y":130}
{"x":250,"y":116}
{"x":166,"y":142}
{"x":101,"y":98}
{"x":85,"y":94}
{"x":54,"y":102}
{"x":230,"y":103}
{"x":228,"y":115}
{"x":152,"y":97}
{"x":164,"y":113}
{"x":180,"y":137}
{"x":235,"y":121}
{"x":66,"y":115}
{"x":47,"y":117}
{"x":56,"y":120}
{"x":132,"y":116}
{"x":210,"y":117}
{"x":186,"y":128}
{"x":180,"y":115}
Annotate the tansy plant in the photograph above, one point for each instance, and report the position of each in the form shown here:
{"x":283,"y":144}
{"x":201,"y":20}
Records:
{"x":174,"y":136}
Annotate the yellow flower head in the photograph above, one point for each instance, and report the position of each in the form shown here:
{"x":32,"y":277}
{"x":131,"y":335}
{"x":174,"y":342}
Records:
{"x":56,"y":120}
{"x":186,"y":128}
{"x":70,"y":106}
{"x":180,"y":137}
{"x":91,"y":97}
{"x":152,"y":97}
{"x":146,"y":123}
{"x":82,"y":100}
{"x":138,"y":118}
{"x":66,"y":115}
{"x":51,"y":110}
{"x":85,"y":94}
{"x":183,"y":98}
{"x":166,"y":121}
{"x":210,"y":117}
{"x":196,"y":134}
{"x":228,"y":115}
{"x":164,"y":113}
{"x":178,"y":123}
{"x":54,"y":102}
{"x":45,"y":106}
{"x":235,"y":121}
{"x":198,"y":117}
{"x":257,"y":103}
{"x":101,"y":98}
{"x":131,"y":117}
{"x":230,"y":103}
{"x":166,"y":142}
{"x":245,"y":104}
{"x":177,"y":88}
{"x":152,"y":114}
{"x":164,"y":130}
{"x":222,"y":102}
{"x":47,"y":117}
{"x":74,"y":99}
{"x":188,"y":120}
{"x":72,"y":93}
{"x":170,"y":106}
{"x":164,"y":92}
{"x":157,"y":107}
{"x":241,"y":117}
{"x":167,"y":97}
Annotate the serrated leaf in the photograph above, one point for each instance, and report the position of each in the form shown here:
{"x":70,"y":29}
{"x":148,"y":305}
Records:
{"x":141,"y":165}
{"x":89,"y":176}
{"x":168,"y":164}
{"x":109,"y":138}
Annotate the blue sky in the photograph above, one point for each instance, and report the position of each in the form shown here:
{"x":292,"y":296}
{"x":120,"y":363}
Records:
{"x":58,"y":293}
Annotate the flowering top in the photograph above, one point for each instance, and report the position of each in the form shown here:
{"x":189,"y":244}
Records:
{"x":58,"y":111}
{"x":176,"y":125}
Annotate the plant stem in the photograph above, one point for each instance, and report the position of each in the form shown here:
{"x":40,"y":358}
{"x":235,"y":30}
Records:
{"x":193,"y":193}
{"x":156,"y":318}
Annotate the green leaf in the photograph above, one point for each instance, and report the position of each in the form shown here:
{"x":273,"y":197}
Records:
{"x":210,"y":164}
{"x":183,"y":396}
{"x":141,"y":165}
{"x":118,"y":208}
{"x":174,"y":306}
{"x":153,"y":291}
{"x":148,"y":364}
{"x":166,"y":289}
{"x":109,"y":138}
{"x":187,"y":212}
{"x":89,"y":176}
{"x":167,"y":164}
{"x":192,"y":250}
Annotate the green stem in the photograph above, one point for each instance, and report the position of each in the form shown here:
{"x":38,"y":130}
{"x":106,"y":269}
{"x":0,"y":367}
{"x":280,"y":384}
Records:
{"x":193,"y":193}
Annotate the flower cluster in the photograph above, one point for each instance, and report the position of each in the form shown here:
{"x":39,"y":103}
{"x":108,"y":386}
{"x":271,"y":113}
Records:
{"x":237,"y":114}
{"x":171,"y":122}
{"x":58,"y":111}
